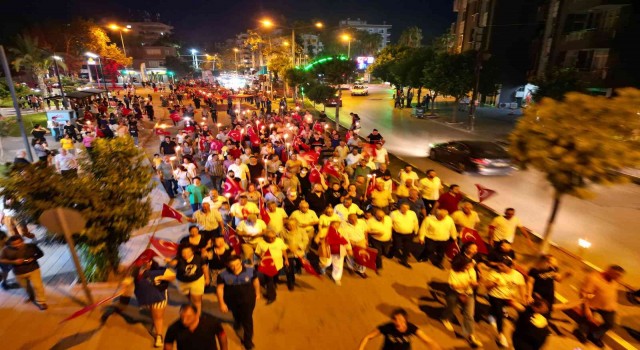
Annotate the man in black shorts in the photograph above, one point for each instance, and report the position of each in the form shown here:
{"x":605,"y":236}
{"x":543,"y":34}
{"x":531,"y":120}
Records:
{"x":191,"y":332}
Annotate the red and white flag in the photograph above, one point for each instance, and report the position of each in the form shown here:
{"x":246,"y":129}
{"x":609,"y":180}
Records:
{"x":365,"y":257}
{"x":267,"y":265}
{"x":231,"y":187}
{"x":233,"y":240}
{"x":306,"y":265}
{"x":452,"y":250}
{"x":470,"y":235}
{"x":168,"y":212}
{"x":328,"y":168}
{"x":484,"y":193}
{"x":314,"y":176}
{"x":309,"y":157}
{"x":86,"y":309}
{"x":145,"y":257}
{"x":264,"y":214}
{"x":235,"y":135}
{"x":164,"y":247}
{"x":253,"y":137}
{"x":371,"y":186}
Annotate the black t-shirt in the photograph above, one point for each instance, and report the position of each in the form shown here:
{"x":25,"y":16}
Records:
{"x":168,"y":147}
{"x":544,"y":282}
{"x":316,"y":203}
{"x":202,"y":338}
{"x":531,"y":328}
{"x":189,"y":271}
{"x":333,"y":197}
{"x":219,"y":262}
{"x":374,"y":138}
{"x":396,"y":340}
{"x":255,"y":171}
{"x":497,"y":256}
{"x":197,"y":248}
{"x":381,"y":174}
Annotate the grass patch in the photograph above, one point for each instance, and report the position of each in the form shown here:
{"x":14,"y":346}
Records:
{"x":29,"y":121}
{"x":6,"y":102}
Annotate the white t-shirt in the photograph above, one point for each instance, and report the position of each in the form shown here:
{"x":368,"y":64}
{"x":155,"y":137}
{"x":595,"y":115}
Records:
{"x":404,"y":176}
{"x":507,"y":284}
{"x":276,"y":249}
{"x":215,"y":205}
{"x":343,"y":212}
{"x":430,"y":188}
{"x":438,"y":230}
{"x":352,"y":159}
{"x":381,"y":155}
{"x":240,"y":171}
{"x":240,"y":211}
{"x":380,"y":230}
{"x":354,"y":233}
{"x":252,"y":230}
{"x":65,"y":162}
{"x":505,"y":229}
{"x":276,"y":220}
{"x":464,"y":220}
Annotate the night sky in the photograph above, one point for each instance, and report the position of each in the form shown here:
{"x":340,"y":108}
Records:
{"x":199,"y":21}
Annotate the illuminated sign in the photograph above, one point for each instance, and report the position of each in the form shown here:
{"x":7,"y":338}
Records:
{"x":363,"y":62}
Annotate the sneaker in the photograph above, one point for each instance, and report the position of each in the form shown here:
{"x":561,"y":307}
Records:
{"x":502,"y":341}
{"x":492,"y":322}
{"x":43,"y":306}
{"x":474,"y":342}
{"x":447,"y":324}
{"x":362,"y":274}
{"x":405,"y":264}
{"x":338,"y":283}
{"x":159,"y":342}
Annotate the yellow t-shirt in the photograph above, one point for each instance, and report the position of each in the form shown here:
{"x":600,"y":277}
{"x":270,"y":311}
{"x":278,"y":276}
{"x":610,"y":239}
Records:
{"x":66,"y":144}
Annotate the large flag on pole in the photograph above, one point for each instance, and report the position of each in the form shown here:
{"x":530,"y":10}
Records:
{"x":264,"y":214}
{"x":145,"y":257}
{"x":168,"y":212}
{"x":484,"y":193}
{"x":231,"y":187}
{"x":306,"y":265}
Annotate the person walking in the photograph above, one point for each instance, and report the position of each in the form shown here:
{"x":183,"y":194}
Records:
{"x":278,"y":253}
{"x":195,"y":331}
{"x":435,"y":233}
{"x":397,"y":333}
{"x":24,"y":259}
{"x":600,"y":294}
{"x":405,"y":227}
{"x":165,"y":173}
{"x":238,"y":291}
{"x":196,"y":192}
{"x":504,"y":228}
{"x":532,"y":327}
{"x":430,"y":188}
{"x":379,"y":233}
{"x":190,"y":274}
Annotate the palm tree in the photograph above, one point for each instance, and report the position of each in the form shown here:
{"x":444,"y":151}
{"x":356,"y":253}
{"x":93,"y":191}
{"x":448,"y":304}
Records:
{"x":411,"y":37}
{"x":31,"y":58}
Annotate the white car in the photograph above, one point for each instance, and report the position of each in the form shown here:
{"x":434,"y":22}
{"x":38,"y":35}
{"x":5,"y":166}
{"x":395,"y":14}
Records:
{"x":359,"y":90}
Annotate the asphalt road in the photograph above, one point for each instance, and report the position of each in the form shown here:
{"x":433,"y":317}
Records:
{"x":609,"y":220}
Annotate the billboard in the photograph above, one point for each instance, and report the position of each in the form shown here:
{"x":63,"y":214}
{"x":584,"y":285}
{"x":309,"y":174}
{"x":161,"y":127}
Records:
{"x":362,"y":62}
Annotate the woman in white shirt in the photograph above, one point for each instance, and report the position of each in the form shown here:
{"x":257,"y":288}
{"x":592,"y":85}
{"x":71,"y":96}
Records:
{"x":462,"y":282}
{"x":190,"y":166}
{"x":182,"y":176}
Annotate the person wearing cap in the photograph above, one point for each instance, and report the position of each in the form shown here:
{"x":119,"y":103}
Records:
{"x":251,"y":230}
{"x":306,"y":218}
{"x":278,"y":250}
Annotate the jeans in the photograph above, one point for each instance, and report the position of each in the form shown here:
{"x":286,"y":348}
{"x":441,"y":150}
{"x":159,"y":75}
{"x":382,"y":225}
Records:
{"x":32,"y":283}
{"x":496,"y":310}
{"x":402,"y":244}
{"x":216,"y":182}
{"x":428,"y":203}
{"x":168,"y":186}
{"x":294,"y":266}
{"x":383,"y":248}
{"x":597,"y":332}
{"x":468,"y":310}
{"x":270,"y":286}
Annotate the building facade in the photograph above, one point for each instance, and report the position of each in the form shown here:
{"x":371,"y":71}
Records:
{"x":594,"y":37}
{"x":503,"y":31}
{"x":150,"y":31}
{"x":311,"y":44}
{"x":383,"y":29}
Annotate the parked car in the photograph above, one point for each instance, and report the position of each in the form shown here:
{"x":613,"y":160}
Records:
{"x":359,"y":90}
{"x":333,"y":101}
{"x":482,"y":157}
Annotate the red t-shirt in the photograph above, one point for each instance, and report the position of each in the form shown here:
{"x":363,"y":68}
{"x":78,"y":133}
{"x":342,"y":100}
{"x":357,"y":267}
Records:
{"x":449,"y":202}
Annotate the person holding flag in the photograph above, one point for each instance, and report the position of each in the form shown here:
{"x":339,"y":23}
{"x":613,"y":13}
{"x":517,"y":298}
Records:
{"x":272,"y":252}
{"x":251,"y":230}
{"x":338,"y":248}
{"x":355,"y":230}
{"x":297,"y":241}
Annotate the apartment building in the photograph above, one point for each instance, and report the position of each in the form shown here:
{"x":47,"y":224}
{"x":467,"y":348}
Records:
{"x":383,"y":29}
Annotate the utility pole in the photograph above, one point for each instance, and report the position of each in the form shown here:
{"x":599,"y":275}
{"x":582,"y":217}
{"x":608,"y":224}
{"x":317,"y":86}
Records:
{"x":16,"y":106}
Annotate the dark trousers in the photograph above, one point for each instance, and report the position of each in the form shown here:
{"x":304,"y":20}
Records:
{"x":402,"y":245}
{"x":434,"y":251}
{"x":294,"y":267}
{"x":597,"y":332}
{"x":216,"y":182}
{"x":71,"y":173}
{"x":270,"y":286}
{"x":496,"y":310}
{"x":383,"y":248}
{"x":429,"y":205}
{"x":243,"y":318}
{"x":168,"y":186}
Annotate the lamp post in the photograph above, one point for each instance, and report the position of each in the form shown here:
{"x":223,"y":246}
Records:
{"x":235,"y":57}
{"x":267,"y":23}
{"x":122,"y":29}
{"x":55,"y":64}
{"x":16,"y":106}
{"x":94,"y":56}
{"x":195,"y":58}
{"x":347,"y":38}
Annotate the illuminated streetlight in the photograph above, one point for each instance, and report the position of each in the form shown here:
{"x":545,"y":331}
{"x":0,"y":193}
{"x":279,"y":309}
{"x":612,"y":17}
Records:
{"x":267,"y":23}
{"x":347,"y":38}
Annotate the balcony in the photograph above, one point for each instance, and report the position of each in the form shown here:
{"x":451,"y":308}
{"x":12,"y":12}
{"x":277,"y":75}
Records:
{"x":588,"y":38}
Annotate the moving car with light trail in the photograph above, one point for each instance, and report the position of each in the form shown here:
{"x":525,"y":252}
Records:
{"x":482,"y":157}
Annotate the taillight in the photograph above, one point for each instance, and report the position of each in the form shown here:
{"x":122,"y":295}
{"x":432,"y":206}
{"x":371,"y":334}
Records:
{"x":480,"y":161}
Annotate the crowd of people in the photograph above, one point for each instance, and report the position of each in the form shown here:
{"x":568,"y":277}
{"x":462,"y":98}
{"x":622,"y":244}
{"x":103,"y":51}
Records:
{"x":280,"y":190}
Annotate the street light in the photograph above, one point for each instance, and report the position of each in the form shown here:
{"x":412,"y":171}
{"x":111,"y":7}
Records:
{"x":347,"y":38}
{"x":235,"y":56}
{"x":120,"y":29}
{"x":195,"y":58}
{"x":94,"y":56}
{"x":267,"y":23}
{"x":55,"y":64}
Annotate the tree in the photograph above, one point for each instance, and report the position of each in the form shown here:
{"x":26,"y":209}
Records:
{"x":336,"y":72}
{"x":577,"y":142}
{"x":387,"y":58}
{"x":445,"y":43}
{"x":411,"y":37}
{"x":319,"y":93}
{"x":557,"y":83}
{"x":112,"y":195}
{"x":296,"y":77}
{"x":101,"y":45}
{"x":254,"y":41}
{"x":178,"y":66}
{"x":32,"y":58}
{"x":452,"y":75}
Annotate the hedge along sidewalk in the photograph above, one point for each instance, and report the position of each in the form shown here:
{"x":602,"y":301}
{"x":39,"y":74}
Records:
{"x":566,"y":291}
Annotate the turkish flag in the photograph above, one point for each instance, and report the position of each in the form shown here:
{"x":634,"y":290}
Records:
{"x":168,"y":212}
{"x":317,"y":127}
{"x":365,"y":257}
{"x":348,"y":136}
{"x":334,"y":237}
{"x":267,"y":265}
{"x":216,"y":145}
{"x":253,"y":137}
{"x":235,"y":135}
{"x":145,"y":257}
{"x":175,"y":117}
{"x":328,"y":168}
{"x":160,"y":131}
{"x":484,"y":193}
{"x":231,"y":187}
{"x":315,"y":177}
{"x":306,"y":265}
{"x":452,"y":250}
{"x":125,"y":111}
{"x":298,"y":144}
{"x":310,"y":157}
{"x":264,"y":214}
{"x":233,"y":240}
{"x":284,"y":156}
{"x":470,"y":235}
{"x":164,"y":247}
{"x":370,"y":149}
{"x":371,"y":186}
